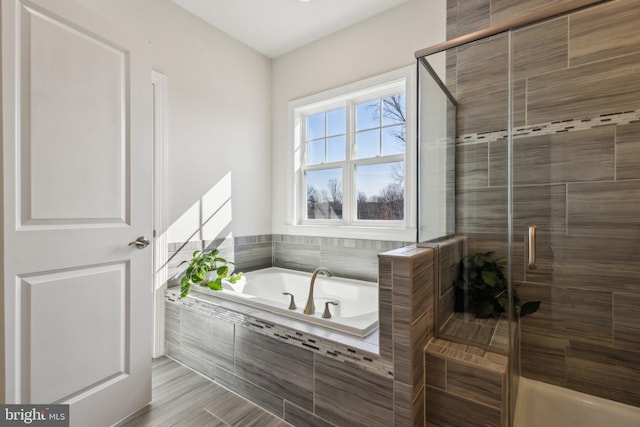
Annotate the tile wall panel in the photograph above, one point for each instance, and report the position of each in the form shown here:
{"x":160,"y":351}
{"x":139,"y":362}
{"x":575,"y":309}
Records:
{"x":402,"y":353}
{"x":540,"y":48}
{"x":436,"y":372}
{"x":596,"y":262}
{"x":446,"y":409}
{"x":481,"y":210}
{"x":403,"y":409}
{"x":543,"y":205}
{"x":300,"y":418}
{"x":473,"y":15}
{"x":626,"y":316}
{"x":483,"y":109}
{"x":421,"y":332}
{"x":475,"y":384}
{"x":283,"y":370}
{"x":557,"y":158}
{"x":207,"y":338}
{"x":604,"y":371}
{"x":628,"y":151}
{"x":483,"y":63}
{"x":256,"y":394}
{"x":519,"y":102}
{"x":603,"y":87}
{"x":472,"y":166}
{"x":605,"y":209}
{"x":204,"y":366}
{"x":604,"y":32}
{"x":543,"y":357}
{"x":506,"y":10}
{"x":452,"y":19}
{"x":344,"y":392}
{"x":172,"y":323}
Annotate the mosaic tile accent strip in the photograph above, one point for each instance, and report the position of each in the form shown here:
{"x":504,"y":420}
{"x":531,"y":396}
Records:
{"x":319,"y":345}
{"x":571,"y":125}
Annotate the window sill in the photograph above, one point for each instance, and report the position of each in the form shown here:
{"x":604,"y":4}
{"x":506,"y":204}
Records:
{"x":354,"y":232}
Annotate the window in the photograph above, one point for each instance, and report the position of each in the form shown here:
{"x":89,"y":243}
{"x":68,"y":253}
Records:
{"x":351,"y":158}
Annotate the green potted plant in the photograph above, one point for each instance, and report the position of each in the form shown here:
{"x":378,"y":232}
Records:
{"x":482,"y":289}
{"x":206,"y":269}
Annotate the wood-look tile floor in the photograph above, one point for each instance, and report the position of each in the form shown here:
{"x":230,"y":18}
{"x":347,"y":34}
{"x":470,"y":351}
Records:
{"x":181,"y":397}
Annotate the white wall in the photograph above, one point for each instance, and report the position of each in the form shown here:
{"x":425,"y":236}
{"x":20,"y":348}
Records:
{"x":219,"y":116}
{"x":385,"y":42}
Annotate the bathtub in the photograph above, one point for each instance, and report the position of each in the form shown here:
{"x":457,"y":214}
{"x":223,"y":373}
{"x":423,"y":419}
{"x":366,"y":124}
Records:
{"x":542,"y":404}
{"x":356,"y":312}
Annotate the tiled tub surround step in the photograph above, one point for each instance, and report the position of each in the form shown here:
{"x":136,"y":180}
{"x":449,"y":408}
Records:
{"x":338,"y":379}
{"x":341,"y":346}
{"x":465,"y":385}
{"x":302,"y":378}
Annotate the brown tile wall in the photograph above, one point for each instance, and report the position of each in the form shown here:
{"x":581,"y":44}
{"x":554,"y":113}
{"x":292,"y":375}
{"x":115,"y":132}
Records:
{"x":581,"y":187}
{"x":465,"y":385}
{"x":409,"y":275}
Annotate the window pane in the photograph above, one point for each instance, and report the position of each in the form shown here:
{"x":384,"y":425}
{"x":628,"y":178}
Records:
{"x":380,"y":191}
{"x":324,"y":194}
{"x":337,"y":122}
{"x":368,"y":115}
{"x":393,"y":140}
{"x":315,"y":126}
{"x":394,"y":109}
{"x":368,"y":144}
{"x":315,"y":152}
{"x":336,"y":148}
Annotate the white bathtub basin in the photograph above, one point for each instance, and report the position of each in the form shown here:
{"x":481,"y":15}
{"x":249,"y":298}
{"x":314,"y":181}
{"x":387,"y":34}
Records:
{"x":356,"y":312}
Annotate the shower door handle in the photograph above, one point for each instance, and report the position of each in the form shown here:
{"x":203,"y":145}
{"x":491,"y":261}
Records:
{"x":532,"y":247}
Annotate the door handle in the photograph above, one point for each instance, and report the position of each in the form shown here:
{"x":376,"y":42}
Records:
{"x":140,"y":243}
{"x":532,"y":247}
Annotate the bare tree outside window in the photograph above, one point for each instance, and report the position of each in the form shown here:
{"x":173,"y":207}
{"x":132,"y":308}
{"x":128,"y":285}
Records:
{"x":388,"y":203}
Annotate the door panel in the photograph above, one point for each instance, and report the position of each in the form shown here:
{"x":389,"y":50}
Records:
{"x":60,"y":306}
{"x":77,"y":180}
{"x":75,"y":94}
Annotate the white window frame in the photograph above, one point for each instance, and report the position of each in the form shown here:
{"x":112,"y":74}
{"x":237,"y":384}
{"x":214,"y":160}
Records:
{"x":369,"y":89}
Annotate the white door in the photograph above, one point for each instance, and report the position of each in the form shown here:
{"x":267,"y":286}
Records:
{"x":77,"y":177}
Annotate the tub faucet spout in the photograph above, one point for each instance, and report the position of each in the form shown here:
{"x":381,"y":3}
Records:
{"x":310,"y":308}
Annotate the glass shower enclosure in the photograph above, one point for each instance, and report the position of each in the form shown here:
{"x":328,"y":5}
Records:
{"x":529,"y":146}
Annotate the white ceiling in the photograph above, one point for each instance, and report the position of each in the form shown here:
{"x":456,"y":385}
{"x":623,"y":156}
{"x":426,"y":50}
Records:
{"x":274,"y":27}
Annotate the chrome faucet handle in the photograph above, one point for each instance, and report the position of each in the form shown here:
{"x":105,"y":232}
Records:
{"x":327,"y":313}
{"x":292,"y":303}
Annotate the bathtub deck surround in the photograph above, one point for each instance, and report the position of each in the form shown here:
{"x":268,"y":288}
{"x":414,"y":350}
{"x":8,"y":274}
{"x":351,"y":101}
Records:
{"x":307,"y":374}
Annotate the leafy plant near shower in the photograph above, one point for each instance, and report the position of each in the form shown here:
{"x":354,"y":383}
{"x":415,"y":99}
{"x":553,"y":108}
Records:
{"x":199,"y":269}
{"x":482,"y":289}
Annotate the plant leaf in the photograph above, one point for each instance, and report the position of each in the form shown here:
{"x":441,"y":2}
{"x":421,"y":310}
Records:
{"x":484,"y":309}
{"x":216,"y":285}
{"x":489,"y":278}
{"x":222,"y":271}
{"x":529,"y":308}
{"x":235,"y":277}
